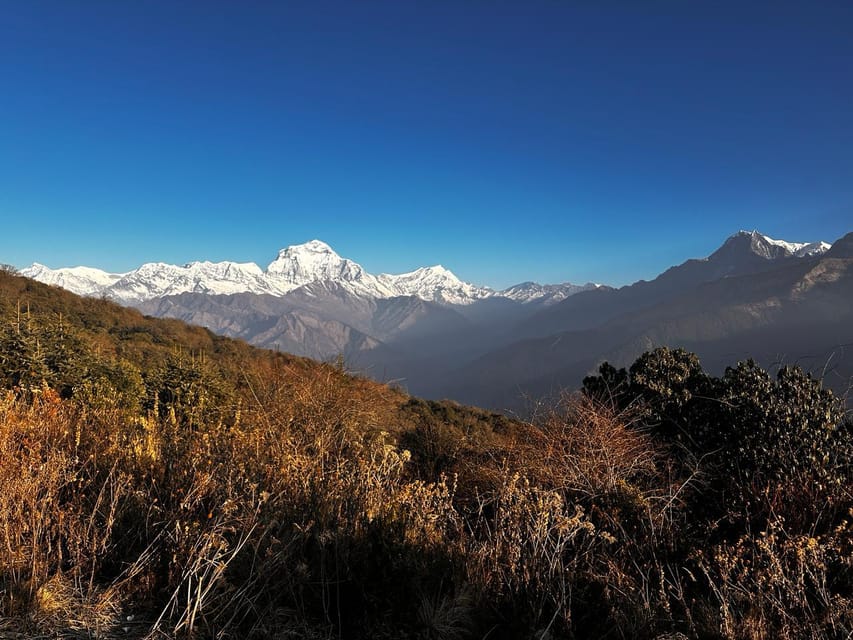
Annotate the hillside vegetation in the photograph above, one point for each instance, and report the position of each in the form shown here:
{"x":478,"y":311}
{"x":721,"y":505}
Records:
{"x":160,"y":481}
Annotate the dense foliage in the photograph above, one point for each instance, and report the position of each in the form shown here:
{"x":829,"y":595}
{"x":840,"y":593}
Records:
{"x":160,"y":481}
{"x":786,"y":437}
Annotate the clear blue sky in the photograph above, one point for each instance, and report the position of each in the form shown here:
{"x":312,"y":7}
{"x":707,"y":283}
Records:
{"x":508,"y":140}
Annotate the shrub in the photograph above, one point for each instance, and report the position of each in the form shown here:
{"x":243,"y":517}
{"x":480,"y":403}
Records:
{"x":766,"y":444}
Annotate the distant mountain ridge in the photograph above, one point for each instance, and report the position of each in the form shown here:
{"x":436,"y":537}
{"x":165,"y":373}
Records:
{"x":743,"y":253}
{"x":294,"y":267}
{"x":752,"y":298}
{"x":440,"y":337}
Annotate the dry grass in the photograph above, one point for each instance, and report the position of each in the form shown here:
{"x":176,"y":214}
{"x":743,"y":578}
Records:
{"x":57,"y":514}
{"x":627,"y":499}
{"x":584,"y":447}
{"x":293,"y":511}
{"x":777,"y":585}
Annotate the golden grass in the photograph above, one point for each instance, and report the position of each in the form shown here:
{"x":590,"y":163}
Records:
{"x":281,"y":498}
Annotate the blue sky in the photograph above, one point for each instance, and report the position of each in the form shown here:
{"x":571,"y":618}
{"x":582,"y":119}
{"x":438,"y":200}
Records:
{"x":508,"y":140}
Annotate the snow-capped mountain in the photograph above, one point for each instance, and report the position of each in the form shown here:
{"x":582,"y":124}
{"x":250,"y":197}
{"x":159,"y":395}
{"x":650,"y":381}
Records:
{"x":435,"y":284}
{"x":313,"y":261}
{"x":770,"y":249}
{"x":527,"y":292}
{"x":158,"y":279}
{"x":84,"y":281}
{"x":294,"y":267}
{"x":444,"y":337}
{"x":316,"y":262}
{"x":801,"y":249}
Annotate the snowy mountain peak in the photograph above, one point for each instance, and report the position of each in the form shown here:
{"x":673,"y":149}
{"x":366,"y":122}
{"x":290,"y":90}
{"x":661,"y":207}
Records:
{"x":812,"y":249}
{"x":306,"y":248}
{"x":157,"y":279}
{"x":223,"y":268}
{"x":85,"y":281}
{"x":309,"y":255}
{"x":316,"y":245}
{"x":435,"y":284}
{"x":312,"y":263}
{"x":436,"y":272}
{"x":769,"y":248}
{"x":527,"y":292}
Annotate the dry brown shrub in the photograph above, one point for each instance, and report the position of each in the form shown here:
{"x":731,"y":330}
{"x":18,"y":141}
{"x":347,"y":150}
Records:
{"x":297,"y":488}
{"x":776,"y":585}
{"x":585,"y":465}
{"x":527,"y":548}
{"x":56,"y":518}
{"x":587,"y":447}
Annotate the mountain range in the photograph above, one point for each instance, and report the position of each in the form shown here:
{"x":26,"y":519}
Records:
{"x":773,"y":300}
{"x":752,"y":298}
{"x":294,"y":267}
